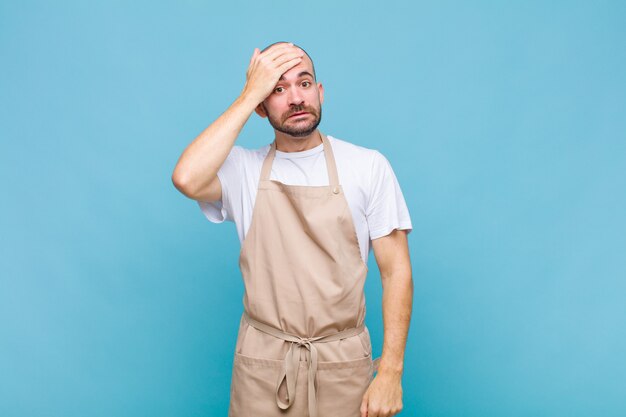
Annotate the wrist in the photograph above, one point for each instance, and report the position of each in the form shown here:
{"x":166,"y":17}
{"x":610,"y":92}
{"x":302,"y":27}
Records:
{"x":390,"y":368}
{"x":248,"y":99}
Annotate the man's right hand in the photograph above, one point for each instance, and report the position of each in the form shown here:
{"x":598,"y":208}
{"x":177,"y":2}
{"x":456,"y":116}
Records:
{"x":195,"y":174}
{"x":266,"y":68}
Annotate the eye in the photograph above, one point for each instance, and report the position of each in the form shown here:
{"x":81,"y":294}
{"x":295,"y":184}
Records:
{"x":276,"y":89}
{"x":307,"y":83}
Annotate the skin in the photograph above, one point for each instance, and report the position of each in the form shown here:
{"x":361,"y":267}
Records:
{"x":195,"y":173}
{"x":278,"y":86}
{"x":383,"y":397}
{"x":296,"y":91}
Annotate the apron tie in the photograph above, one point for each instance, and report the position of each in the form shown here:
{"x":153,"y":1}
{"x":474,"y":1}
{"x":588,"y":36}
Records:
{"x":291,"y":362}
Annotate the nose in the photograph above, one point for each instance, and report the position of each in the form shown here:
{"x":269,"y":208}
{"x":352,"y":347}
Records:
{"x":295,"y":97}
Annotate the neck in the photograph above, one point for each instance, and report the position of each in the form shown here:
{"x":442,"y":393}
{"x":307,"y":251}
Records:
{"x":287,"y":143}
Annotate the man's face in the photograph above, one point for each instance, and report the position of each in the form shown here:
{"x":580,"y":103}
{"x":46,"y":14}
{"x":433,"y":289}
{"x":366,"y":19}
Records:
{"x":295,"y":92}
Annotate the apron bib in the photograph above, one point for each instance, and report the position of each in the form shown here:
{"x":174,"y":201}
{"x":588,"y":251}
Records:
{"x":302,"y":348}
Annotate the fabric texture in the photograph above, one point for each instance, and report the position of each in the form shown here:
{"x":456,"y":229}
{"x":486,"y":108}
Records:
{"x":304,"y":304}
{"x":372,"y":190}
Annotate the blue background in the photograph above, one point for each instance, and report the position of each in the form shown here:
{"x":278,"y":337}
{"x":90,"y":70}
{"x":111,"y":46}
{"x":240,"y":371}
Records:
{"x":505,"y":123}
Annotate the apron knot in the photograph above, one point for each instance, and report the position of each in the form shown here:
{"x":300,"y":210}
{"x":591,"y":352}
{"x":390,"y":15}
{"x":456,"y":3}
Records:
{"x":305,"y":341}
{"x":291,"y":362}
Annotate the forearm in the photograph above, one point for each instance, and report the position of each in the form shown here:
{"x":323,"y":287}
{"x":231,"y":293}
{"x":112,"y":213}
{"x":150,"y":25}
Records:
{"x":200,"y":161}
{"x":397,"y":307}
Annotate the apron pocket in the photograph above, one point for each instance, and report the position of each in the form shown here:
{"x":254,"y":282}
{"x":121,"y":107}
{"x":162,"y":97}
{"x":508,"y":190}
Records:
{"x":252,"y":386}
{"x":341,"y":386}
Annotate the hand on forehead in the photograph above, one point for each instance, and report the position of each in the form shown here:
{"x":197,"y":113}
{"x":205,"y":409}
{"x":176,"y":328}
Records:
{"x":279,"y":48}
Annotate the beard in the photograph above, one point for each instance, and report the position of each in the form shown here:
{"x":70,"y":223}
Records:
{"x":296,"y":129}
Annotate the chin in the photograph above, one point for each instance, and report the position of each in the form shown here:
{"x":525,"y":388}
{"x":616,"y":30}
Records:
{"x":299,"y":135}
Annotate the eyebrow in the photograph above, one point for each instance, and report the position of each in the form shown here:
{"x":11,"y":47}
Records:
{"x":282,"y":78}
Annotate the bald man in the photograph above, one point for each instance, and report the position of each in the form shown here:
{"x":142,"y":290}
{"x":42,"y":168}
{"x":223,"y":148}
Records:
{"x":308,"y":208}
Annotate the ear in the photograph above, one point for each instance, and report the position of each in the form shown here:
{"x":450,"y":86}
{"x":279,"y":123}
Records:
{"x":320,"y":87}
{"x":260,"y":110}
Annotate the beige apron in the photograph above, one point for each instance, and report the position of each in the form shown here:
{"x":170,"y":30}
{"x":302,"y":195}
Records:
{"x":302,"y":347}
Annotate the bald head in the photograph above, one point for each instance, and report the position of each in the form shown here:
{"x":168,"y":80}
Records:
{"x":305,"y":52}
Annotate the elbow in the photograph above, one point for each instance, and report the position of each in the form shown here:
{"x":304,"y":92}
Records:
{"x":182,"y":183}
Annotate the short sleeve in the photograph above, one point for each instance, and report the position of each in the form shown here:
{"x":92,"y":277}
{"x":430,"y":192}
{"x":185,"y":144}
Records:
{"x":386,"y":208}
{"x":229,"y":175}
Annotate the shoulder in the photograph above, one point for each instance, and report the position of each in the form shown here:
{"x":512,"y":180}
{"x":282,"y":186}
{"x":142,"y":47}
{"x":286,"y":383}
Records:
{"x":249,"y":155}
{"x":363,"y":156}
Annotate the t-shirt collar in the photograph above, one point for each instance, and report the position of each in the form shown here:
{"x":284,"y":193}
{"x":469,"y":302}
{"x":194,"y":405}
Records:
{"x":301,"y":154}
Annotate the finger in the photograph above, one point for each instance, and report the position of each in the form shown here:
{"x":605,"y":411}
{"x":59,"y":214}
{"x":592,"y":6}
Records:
{"x":274,"y":49}
{"x":364,"y":406}
{"x":285,"y":58}
{"x":287,"y":51}
{"x":372,"y":411}
{"x":254,"y":55}
{"x":278,"y":46}
{"x":252,"y":63}
{"x":271,"y":54}
{"x":289,"y":64}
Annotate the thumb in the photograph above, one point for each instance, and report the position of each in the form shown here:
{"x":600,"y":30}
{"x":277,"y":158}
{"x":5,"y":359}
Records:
{"x":364,"y":406}
{"x":254,"y":54}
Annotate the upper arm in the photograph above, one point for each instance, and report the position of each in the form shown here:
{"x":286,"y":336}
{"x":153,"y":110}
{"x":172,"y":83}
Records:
{"x":386,"y":208}
{"x":227,"y":179}
{"x":392,"y":253}
{"x":212,"y":192}
{"x":221,"y":199}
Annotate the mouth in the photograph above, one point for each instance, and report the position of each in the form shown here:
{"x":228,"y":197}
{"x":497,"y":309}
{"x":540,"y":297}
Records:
{"x":298,"y":114}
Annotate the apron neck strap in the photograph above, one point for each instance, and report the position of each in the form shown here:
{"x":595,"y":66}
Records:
{"x":331,"y":166}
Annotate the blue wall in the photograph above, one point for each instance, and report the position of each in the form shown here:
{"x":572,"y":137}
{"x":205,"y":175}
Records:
{"x":505,"y":123}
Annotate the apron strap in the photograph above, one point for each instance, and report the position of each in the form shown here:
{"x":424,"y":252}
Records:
{"x":291,"y":362}
{"x":331,"y":166}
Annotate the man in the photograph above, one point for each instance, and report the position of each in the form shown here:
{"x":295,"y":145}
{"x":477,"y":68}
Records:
{"x":306,"y":208}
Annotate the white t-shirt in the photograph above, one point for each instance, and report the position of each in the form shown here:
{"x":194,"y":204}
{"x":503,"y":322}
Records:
{"x":369,"y":183}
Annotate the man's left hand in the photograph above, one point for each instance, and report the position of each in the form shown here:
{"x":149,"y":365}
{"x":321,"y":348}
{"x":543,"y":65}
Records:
{"x":383,"y":397}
